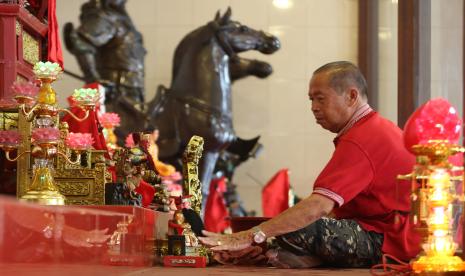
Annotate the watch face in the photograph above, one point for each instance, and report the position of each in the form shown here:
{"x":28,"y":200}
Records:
{"x":259,"y":237}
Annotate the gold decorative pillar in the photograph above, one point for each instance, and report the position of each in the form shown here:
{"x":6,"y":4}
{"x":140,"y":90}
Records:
{"x":191,"y":183}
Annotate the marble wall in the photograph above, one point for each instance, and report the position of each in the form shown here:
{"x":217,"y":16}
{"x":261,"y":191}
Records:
{"x":447,"y":51}
{"x":387,"y":50}
{"x":312,"y":32}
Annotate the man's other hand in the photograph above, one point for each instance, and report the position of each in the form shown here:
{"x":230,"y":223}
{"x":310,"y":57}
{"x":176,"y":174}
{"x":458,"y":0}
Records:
{"x":252,"y":255}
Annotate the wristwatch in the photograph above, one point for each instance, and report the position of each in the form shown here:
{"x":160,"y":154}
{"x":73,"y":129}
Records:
{"x":258,"y":235}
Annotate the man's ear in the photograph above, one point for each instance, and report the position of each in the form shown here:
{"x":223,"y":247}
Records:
{"x":352,"y":96}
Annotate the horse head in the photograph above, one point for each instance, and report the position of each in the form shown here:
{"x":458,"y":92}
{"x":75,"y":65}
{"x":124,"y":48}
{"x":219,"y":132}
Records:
{"x":236,"y":37}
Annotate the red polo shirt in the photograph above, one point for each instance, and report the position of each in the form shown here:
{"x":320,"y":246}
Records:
{"x":361,"y":179}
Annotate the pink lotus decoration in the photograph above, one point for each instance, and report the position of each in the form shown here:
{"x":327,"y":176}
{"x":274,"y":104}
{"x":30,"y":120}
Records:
{"x":45,"y":134}
{"x":109,"y":119}
{"x":79,"y":141}
{"x":437,"y":119}
{"x":10,"y":137}
{"x":129,"y":141}
{"x":27,"y":89}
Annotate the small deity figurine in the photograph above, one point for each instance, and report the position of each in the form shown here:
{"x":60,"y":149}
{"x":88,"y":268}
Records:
{"x":150,"y":140}
{"x":161,"y":200}
{"x":109,"y":121}
{"x":183,"y":204}
{"x":136,"y":171}
{"x":133,"y":169}
{"x":178,"y":226}
{"x":143,"y":160}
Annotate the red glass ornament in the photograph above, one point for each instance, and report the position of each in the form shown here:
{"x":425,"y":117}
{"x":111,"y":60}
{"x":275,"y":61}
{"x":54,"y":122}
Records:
{"x":437,"y":119}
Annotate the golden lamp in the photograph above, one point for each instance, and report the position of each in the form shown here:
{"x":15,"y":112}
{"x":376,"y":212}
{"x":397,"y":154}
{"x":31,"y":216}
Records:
{"x":437,"y":192}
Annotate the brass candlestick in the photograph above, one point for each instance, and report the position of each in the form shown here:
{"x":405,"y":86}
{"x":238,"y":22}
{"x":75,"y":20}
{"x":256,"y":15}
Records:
{"x":44,"y":116}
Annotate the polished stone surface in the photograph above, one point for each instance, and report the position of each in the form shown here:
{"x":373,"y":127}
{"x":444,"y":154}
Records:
{"x":72,"y":270}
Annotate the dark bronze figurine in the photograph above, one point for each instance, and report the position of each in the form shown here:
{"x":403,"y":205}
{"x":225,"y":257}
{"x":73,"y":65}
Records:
{"x":110,"y":51}
{"x":199,"y":99}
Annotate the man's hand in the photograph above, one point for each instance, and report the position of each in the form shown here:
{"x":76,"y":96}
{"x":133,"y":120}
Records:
{"x":252,"y":255}
{"x":228,"y":242}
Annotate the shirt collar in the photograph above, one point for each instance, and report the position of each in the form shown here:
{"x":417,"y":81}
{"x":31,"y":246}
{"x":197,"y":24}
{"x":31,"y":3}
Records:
{"x":361,"y":112}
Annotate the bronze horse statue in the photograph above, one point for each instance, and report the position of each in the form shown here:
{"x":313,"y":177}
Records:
{"x":198,"y":101}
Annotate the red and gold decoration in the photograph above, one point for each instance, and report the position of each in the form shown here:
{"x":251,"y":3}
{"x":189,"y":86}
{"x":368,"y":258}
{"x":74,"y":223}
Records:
{"x":42,"y":112}
{"x":432,"y":134}
{"x":24,"y":41}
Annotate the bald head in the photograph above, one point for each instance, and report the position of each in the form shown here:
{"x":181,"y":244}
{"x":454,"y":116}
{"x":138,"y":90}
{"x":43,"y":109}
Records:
{"x":342,"y":75}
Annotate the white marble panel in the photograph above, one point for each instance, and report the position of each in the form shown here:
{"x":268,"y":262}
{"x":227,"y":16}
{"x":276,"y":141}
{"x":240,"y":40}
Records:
{"x":254,"y":13}
{"x":387,"y":68}
{"x":450,"y":90}
{"x":387,"y":100}
{"x":251,"y":197}
{"x":290,"y":108}
{"x":68,"y":11}
{"x":387,"y":13}
{"x":305,"y":156}
{"x":251,"y":105}
{"x":446,"y":53}
{"x":284,"y":151}
{"x":174,"y":12}
{"x":295,"y":15}
{"x":142,"y":12}
{"x":290,"y":62}
{"x":205,"y":10}
{"x":332,"y":13}
{"x":317,"y":149}
{"x":330,"y":44}
{"x":447,"y":13}
{"x":387,"y":48}
{"x":288,"y":153}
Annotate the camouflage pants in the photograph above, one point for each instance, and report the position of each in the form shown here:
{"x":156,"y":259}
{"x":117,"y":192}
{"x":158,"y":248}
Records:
{"x":337,"y":243}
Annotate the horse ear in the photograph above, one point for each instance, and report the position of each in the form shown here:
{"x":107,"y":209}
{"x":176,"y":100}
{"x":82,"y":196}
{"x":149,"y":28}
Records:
{"x":217,"y":16}
{"x":226,"y":16}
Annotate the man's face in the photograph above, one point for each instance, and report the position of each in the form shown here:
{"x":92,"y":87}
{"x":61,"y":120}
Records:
{"x":331,"y":110}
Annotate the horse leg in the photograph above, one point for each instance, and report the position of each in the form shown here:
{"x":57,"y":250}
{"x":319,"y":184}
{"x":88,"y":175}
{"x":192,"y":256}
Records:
{"x":207,"y":165}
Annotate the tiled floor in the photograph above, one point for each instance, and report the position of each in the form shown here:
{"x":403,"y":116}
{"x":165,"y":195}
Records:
{"x":89,"y":270}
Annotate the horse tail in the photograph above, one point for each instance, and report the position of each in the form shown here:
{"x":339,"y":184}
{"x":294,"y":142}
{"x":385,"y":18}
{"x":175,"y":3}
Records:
{"x":155,"y":106}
